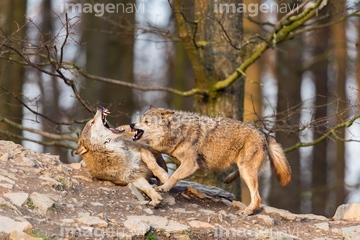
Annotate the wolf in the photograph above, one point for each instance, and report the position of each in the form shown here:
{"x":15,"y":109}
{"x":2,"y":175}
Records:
{"x":201,"y":142}
{"x":110,"y":154}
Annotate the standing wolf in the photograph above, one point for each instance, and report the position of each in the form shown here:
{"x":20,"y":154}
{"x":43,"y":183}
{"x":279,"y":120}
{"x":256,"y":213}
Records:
{"x":110,"y":154}
{"x":200,"y":142}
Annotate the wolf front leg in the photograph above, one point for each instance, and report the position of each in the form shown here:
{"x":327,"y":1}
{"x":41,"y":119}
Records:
{"x":187,"y":167}
{"x":143,"y":185}
{"x":149,"y":159}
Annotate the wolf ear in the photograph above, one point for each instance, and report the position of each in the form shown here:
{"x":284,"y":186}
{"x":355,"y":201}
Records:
{"x":167,"y":114}
{"x":81,"y":150}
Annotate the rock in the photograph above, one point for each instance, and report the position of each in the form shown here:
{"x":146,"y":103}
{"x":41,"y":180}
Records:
{"x":6,"y":185}
{"x":199,"y":224}
{"x":323,"y":226}
{"x":168,"y":199}
{"x":349,"y":233}
{"x":137,"y":226}
{"x":207,"y":212}
{"x":283,"y":213}
{"x":91,"y":221}
{"x":17,"y":235}
{"x":9,"y":225}
{"x":266,"y":219}
{"x":41,"y":202}
{"x":348,"y":212}
{"x":214,"y":192}
{"x":162,"y":224}
{"x":239,"y":205}
{"x":17,"y":198}
{"x":97,"y":204}
{"x":75,"y":166}
{"x":3,"y":203}
{"x":312,"y":217}
{"x":6,"y":180}
{"x":136,"y":192}
{"x":149,"y":211}
{"x":48,"y":181}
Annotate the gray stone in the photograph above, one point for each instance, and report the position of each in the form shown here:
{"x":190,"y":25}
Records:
{"x":6,"y":180}
{"x":17,"y":198}
{"x":312,"y":217}
{"x":17,"y":235}
{"x":283,"y":213}
{"x":9,"y":225}
{"x":266,"y":219}
{"x":168,"y":199}
{"x":136,"y":192}
{"x":162,"y":224}
{"x":214,"y":192}
{"x":199,"y":224}
{"x":349,"y":233}
{"x":323,"y":226}
{"x":41,"y":202}
{"x":348,"y":212}
{"x":137,"y":226}
{"x":91,"y":221}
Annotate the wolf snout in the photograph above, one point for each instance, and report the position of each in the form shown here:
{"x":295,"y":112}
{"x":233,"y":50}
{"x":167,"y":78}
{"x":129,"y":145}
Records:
{"x":138,"y":132}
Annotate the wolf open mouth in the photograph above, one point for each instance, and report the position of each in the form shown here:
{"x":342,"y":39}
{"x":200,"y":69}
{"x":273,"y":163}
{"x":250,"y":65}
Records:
{"x":138,"y":132}
{"x":104,"y":113}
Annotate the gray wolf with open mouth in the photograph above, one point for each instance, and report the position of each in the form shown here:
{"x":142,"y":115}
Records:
{"x":200,"y":142}
{"x":110,"y":154}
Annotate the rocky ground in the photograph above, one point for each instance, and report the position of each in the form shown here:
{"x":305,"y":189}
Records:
{"x":42,"y":198}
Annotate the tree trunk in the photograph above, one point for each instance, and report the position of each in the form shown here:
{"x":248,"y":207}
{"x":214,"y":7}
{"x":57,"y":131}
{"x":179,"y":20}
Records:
{"x":288,"y":72}
{"x":252,"y":88}
{"x":12,"y":17}
{"x":50,"y":85}
{"x":338,"y":32}
{"x":209,"y":41}
{"x":319,"y":193}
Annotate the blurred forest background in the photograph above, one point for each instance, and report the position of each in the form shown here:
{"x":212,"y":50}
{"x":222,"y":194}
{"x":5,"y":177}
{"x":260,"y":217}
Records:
{"x":293,"y":72}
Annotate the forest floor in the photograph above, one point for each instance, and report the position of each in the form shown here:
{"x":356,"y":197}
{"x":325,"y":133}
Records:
{"x":40,"y":197}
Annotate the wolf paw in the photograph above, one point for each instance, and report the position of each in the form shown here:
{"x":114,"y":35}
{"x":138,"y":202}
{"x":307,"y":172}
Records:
{"x":246,"y":212}
{"x":162,"y":188}
{"x":156,"y":201}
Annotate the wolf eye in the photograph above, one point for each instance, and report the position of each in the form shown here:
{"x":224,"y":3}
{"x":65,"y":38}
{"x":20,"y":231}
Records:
{"x":92,"y":122}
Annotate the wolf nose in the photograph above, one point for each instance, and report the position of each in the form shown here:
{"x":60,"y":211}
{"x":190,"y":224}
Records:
{"x":132,"y":125}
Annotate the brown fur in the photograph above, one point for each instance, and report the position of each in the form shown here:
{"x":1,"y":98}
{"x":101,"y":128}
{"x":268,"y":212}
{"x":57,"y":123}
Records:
{"x":201,"y":142}
{"x":111,"y":155}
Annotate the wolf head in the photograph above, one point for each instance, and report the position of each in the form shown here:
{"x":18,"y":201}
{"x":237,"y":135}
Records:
{"x":152,"y":123}
{"x":96,"y":131}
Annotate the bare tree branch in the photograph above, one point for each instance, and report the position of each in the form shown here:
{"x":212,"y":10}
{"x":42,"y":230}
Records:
{"x":332,"y":131}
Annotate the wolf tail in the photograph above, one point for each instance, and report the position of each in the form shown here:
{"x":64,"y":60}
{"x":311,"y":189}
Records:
{"x":278,"y":162}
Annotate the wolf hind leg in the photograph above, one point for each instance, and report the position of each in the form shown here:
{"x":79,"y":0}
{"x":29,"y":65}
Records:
{"x":186,"y":168}
{"x":143,"y":185}
{"x":249,"y":172}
